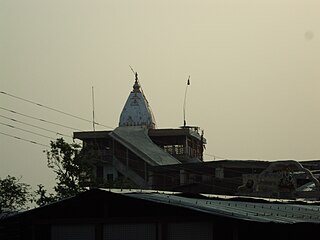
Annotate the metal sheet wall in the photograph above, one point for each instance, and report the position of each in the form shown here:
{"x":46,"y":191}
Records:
{"x":129,"y":231}
{"x":72,"y":232}
{"x":190,"y":230}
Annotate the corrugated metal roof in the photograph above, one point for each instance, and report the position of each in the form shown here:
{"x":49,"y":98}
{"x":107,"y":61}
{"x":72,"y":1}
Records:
{"x":7,"y":214}
{"x":245,"y":210}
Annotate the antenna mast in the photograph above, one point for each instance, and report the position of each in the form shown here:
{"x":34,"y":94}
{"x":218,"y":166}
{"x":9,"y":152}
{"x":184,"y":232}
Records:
{"x":93,"y":122}
{"x":185,"y":102}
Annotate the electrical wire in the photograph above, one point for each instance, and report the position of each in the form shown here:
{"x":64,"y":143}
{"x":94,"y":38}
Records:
{"x":21,"y":129}
{"x":23,"y":139}
{"x":53,"y":109}
{"x":28,"y":124}
{"x":39,"y":119}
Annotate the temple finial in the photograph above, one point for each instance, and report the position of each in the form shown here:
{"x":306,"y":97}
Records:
{"x":136,"y":86}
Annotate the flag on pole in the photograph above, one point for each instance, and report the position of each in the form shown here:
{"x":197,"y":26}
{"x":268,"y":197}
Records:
{"x":188,"y":83}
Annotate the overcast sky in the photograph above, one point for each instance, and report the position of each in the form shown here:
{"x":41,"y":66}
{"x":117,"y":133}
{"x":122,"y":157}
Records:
{"x":254,"y":68}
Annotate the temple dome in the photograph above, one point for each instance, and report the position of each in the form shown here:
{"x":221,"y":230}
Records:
{"x":136,"y":111}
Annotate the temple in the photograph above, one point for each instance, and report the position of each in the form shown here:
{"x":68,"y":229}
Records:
{"x":135,"y":149}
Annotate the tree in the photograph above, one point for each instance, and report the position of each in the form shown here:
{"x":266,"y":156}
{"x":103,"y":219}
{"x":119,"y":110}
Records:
{"x":41,"y":197}
{"x":73,"y":166}
{"x":14,"y":195}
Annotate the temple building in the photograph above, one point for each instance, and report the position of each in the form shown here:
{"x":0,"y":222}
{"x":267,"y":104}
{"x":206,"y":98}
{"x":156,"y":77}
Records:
{"x":136,"y":147}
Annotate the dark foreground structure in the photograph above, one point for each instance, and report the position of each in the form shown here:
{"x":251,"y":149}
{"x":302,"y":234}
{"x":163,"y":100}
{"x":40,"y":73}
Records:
{"x":101,"y":214}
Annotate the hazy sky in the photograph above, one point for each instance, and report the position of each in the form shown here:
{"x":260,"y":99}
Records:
{"x":254,"y":67}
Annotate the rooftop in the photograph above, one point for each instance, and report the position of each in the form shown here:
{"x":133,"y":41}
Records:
{"x":251,"y":209}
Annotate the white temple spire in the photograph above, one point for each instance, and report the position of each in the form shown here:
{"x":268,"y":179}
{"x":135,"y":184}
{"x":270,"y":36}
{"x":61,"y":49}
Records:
{"x":136,"y":111}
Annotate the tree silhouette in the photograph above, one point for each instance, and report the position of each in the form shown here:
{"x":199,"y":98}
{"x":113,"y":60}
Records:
{"x":14,"y":195}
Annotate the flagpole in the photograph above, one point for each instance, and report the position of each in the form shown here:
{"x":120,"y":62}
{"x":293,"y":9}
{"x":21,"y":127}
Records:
{"x":185,"y":103}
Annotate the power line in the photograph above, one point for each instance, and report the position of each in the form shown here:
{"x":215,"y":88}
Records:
{"x":23,"y":139}
{"x":28,"y":124}
{"x":21,"y":129}
{"x":53,"y":109}
{"x":39,"y":119}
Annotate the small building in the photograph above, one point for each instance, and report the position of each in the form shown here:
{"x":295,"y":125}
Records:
{"x":100,"y":214}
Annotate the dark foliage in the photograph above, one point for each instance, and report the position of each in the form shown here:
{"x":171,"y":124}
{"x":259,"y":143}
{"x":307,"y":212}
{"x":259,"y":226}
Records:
{"x":14,"y":195}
